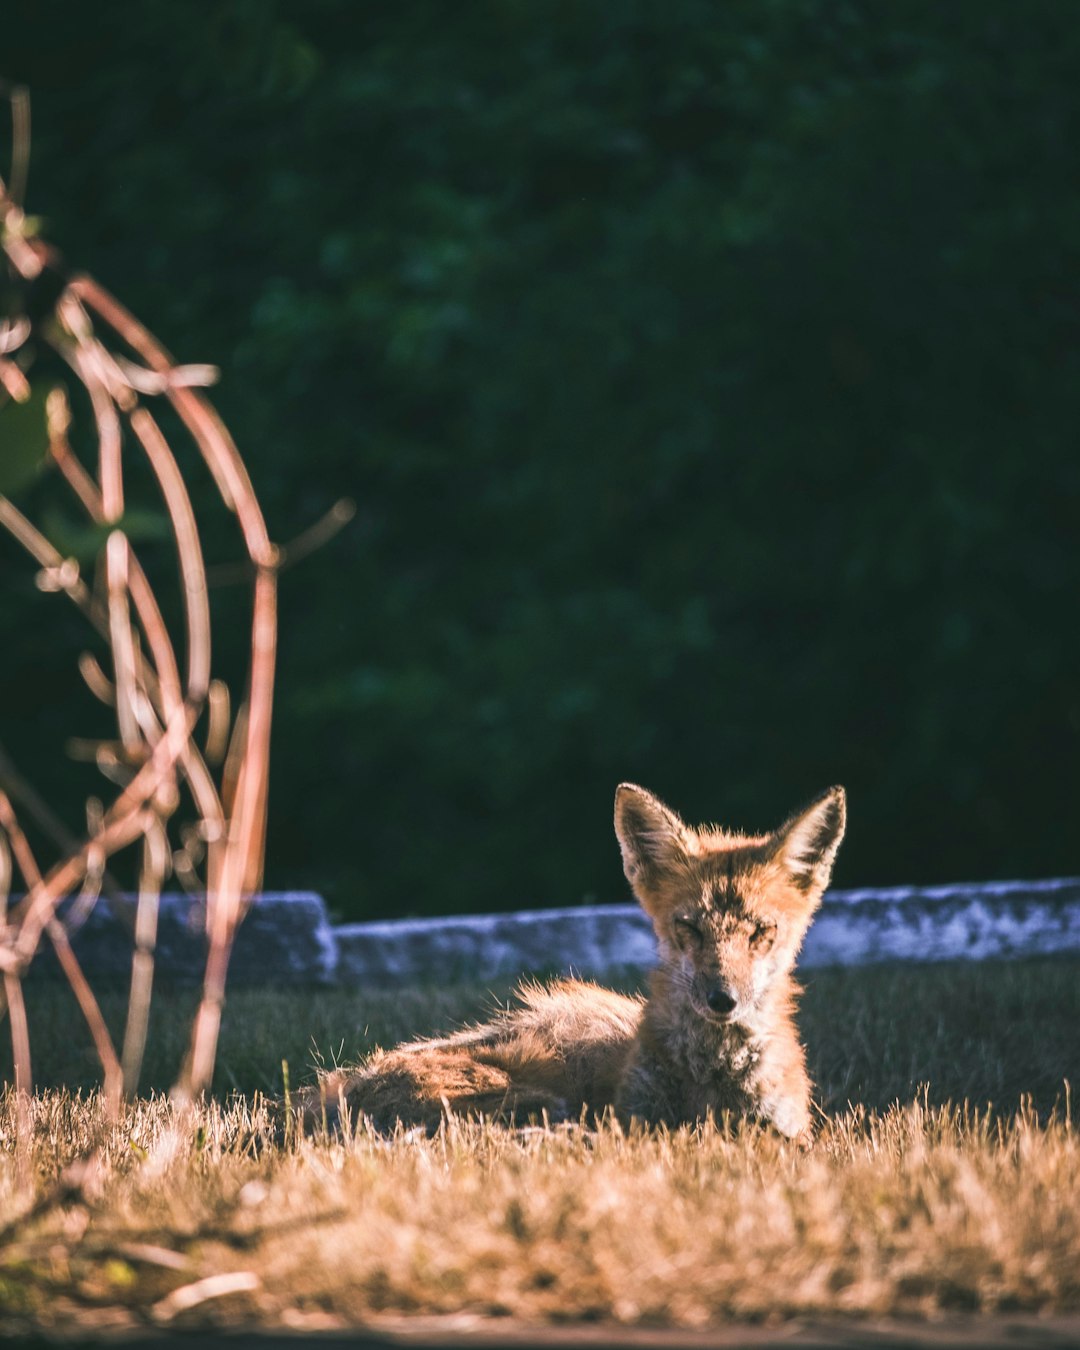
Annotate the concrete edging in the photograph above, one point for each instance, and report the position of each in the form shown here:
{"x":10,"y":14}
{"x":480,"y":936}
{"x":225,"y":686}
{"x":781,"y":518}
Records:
{"x":288,"y":936}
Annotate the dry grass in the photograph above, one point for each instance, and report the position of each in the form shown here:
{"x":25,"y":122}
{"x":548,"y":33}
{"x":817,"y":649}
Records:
{"x":913,"y":1208}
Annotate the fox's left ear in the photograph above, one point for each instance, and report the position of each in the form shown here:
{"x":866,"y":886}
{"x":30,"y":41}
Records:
{"x":651,"y":836}
{"x":807,"y":843}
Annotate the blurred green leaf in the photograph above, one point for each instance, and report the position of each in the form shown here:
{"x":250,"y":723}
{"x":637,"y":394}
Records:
{"x":84,"y":539}
{"x":146,"y":527}
{"x":24,"y":441}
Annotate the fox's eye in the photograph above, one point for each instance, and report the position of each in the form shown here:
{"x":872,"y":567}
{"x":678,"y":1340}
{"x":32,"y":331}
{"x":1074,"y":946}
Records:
{"x":763,"y":936}
{"x":687,"y":931}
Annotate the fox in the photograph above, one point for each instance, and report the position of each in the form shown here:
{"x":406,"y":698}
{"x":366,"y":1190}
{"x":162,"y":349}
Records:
{"x":715,"y":1034}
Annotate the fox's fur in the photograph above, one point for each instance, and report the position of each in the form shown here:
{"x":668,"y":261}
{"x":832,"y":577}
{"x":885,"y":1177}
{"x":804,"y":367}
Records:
{"x":716,"y":1032}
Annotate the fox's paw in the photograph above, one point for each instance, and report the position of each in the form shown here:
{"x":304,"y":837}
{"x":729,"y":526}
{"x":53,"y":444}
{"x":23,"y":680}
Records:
{"x":791,"y":1117}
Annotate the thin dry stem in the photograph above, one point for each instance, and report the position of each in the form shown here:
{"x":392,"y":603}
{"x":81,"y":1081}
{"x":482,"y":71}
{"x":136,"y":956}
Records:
{"x":188,"y":548}
{"x":69,"y":964}
{"x":19,"y":98}
{"x":24,"y":1076}
{"x":58,"y":414}
{"x":155,"y":862}
{"x":113,"y":1078}
{"x":122,"y":641}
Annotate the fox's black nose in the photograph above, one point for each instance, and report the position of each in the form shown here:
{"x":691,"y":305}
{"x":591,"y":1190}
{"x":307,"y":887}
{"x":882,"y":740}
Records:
{"x":719,"y":1001}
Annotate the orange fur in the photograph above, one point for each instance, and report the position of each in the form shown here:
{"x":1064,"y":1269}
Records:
{"x":715,"y":1034}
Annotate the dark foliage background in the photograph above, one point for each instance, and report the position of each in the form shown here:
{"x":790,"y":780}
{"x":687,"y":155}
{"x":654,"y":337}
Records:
{"x":706,"y":377}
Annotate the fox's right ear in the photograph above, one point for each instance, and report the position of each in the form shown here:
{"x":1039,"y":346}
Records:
{"x":807,"y":843}
{"x":651,"y":836}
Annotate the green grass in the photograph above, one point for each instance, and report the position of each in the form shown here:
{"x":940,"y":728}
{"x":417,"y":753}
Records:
{"x":985,"y":1032}
{"x":907,"y":1204}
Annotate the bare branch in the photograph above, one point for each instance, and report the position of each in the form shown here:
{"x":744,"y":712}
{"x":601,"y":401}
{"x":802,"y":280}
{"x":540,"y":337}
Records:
{"x":152,"y":756}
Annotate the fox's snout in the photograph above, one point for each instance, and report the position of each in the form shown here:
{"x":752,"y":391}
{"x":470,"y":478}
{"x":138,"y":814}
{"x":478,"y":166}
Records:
{"x":719,"y":1001}
{"x":717,"y":997}
{"x":722,"y":981}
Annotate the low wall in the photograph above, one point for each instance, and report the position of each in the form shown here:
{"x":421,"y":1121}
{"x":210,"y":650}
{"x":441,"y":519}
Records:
{"x":288,"y":936}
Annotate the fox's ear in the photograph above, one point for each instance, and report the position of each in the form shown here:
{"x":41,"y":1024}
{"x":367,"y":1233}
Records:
{"x":651,"y":836}
{"x":807,"y":843}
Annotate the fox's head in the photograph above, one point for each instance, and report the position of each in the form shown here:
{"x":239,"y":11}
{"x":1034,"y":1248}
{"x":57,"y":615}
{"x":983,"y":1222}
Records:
{"x":729,"y":910}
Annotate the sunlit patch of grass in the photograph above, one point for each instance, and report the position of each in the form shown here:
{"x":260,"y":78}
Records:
{"x":915,"y":1210}
{"x":913,"y":1207}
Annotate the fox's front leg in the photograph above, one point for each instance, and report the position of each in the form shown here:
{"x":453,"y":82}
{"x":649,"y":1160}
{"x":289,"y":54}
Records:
{"x":789,"y":1113}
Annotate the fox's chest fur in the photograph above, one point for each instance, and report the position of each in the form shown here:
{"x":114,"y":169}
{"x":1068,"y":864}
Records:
{"x":681,"y":1072}
{"x":683,"y":1068}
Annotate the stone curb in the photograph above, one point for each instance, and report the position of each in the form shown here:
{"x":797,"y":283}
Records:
{"x":287,"y":936}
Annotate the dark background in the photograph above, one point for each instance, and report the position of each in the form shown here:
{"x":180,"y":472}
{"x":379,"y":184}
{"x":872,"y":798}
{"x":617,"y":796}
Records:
{"x":706,"y":378}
